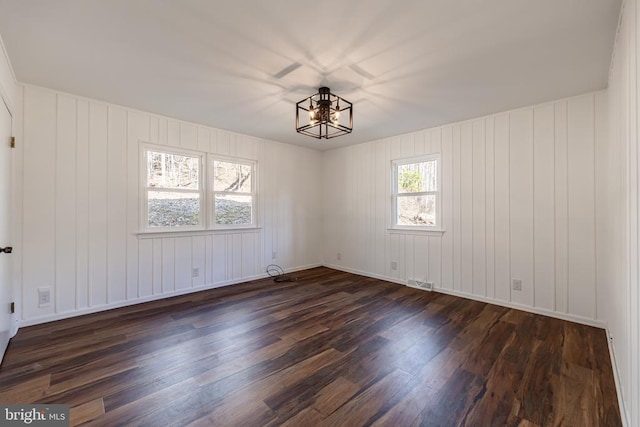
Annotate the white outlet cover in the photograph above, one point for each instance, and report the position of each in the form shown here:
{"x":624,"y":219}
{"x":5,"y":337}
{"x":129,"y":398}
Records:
{"x":516,"y":284}
{"x":44,"y":297}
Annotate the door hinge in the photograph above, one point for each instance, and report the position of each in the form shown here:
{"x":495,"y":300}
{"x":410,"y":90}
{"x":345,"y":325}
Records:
{"x":13,"y":142}
{"x":12,"y":307}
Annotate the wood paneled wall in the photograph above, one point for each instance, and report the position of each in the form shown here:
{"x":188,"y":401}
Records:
{"x":620,"y":298}
{"x":79,"y":209}
{"x":518,"y":202}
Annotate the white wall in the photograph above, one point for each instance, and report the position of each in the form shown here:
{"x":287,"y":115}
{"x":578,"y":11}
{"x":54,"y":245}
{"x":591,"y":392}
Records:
{"x":79,"y":209}
{"x":8,"y":86}
{"x":519,"y":201}
{"x":621,"y":302}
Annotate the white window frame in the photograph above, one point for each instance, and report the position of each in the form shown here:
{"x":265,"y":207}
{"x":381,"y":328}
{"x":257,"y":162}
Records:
{"x":394,"y":193}
{"x":144,"y":199}
{"x":212,"y":192}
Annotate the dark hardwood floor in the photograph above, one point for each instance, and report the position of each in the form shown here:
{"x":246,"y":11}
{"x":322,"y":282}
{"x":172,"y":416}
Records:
{"x":329,"y":349}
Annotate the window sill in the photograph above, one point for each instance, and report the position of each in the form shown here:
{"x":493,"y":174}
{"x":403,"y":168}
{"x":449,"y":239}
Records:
{"x":188,"y":233}
{"x":421,"y":231}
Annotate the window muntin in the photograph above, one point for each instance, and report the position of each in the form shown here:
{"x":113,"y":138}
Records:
{"x":416,"y":193}
{"x":234,"y":198}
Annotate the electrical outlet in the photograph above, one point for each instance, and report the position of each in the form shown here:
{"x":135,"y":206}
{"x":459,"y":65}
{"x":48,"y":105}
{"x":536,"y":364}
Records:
{"x":339,"y":256}
{"x":274,"y":255}
{"x":44,"y":297}
{"x":516,"y":284}
{"x":195,"y":272}
{"x":394,"y":265}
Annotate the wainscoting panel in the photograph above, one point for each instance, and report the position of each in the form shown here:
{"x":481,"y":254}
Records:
{"x":518,"y":203}
{"x":80,"y":209}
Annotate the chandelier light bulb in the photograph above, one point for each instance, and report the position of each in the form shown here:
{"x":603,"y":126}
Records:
{"x":336,"y":114}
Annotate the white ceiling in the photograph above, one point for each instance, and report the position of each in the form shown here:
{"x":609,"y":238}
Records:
{"x":405,"y":64}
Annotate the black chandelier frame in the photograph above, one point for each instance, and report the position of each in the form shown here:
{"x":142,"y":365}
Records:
{"x":322,"y":115}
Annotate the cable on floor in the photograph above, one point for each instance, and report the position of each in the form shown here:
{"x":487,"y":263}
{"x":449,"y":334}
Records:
{"x":275,"y":271}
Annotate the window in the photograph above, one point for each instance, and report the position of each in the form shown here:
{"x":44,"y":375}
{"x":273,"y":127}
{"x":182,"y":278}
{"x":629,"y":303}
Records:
{"x":416,"y":193}
{"x":176,"y":196}
{"x":173,"y":190}
{"x":233,"y":193}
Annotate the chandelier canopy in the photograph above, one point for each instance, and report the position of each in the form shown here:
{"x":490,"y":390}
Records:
{"x":324,"y":115}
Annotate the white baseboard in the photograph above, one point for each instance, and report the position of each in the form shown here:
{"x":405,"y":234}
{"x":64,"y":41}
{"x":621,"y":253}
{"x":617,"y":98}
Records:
{"x":535,"y":310}
{"x":616,"y":377}
{"x":365,"y":273}
{"x":508,"y":304}
{"x":119,"y":304}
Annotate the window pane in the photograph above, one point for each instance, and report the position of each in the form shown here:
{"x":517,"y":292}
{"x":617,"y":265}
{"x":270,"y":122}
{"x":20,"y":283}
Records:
{"x":165,"y":170}
{"x":416,"y":210}
{"x":173,"y":209}
{"x":418,"y":177}
{"x":233,"y":209}
{"x":229,"y":176}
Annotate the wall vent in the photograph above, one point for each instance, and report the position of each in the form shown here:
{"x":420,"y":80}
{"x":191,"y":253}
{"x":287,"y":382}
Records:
{"x":418,"y":284}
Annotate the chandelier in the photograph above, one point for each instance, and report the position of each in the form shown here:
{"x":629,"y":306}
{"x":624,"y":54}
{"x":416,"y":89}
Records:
{"x":324,"y":115}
